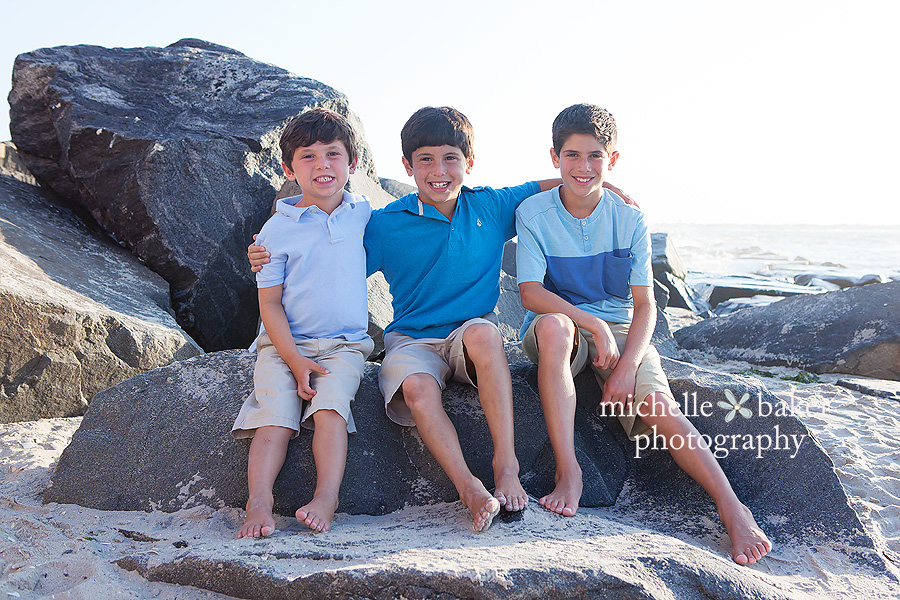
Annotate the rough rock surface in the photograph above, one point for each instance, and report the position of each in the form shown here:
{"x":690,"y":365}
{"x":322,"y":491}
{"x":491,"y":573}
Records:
{"x":80,"y":313}
{"x":854,"y":331}
{"x":12,"y":166}
{"x":175,"y":152}
{"x":133,"y":439}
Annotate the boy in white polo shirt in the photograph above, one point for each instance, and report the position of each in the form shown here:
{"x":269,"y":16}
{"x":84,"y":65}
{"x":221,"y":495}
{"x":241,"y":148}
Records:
{"x":312,"y":348}
{"x":583,"y":267}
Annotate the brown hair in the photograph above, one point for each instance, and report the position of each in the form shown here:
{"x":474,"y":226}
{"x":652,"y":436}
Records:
{"x":316,"y":125}
{"x":585,"y":118}
{"x":440,"y":126}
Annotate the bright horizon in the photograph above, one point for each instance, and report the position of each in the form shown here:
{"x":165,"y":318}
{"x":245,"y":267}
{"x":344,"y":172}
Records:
{"x":770,"y":113}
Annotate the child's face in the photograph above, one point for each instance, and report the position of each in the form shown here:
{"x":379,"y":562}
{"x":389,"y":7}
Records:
{"x":582,"y":163}
{"x":438,"y":172}
{"x":321,"y":170}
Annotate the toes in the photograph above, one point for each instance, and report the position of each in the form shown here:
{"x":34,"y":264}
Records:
{"x":741,"y":559}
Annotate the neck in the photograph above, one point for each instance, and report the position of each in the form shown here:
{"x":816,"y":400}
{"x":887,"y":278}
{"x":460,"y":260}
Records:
{"x":579,"y":206}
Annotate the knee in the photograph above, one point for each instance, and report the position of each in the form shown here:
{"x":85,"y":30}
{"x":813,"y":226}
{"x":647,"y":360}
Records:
{"x":418,"y":389}
{"x":555,"y":333}
{"x":327,"y":418}
{"x":480,"y":339}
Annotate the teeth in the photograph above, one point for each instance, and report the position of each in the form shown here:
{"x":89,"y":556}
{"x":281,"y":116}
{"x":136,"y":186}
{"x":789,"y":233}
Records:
{"x":325,"y":179}
{"x":440,"y":185}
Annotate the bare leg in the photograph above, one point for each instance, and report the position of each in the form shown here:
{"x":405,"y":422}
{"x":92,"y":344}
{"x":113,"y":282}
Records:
{"x":748,"y":542}
{"x":423,"y":397}
{"x":556,"y":338}
{"x":484,"y":349}
{"x":267,"y":452}
{"x":330,"y":453}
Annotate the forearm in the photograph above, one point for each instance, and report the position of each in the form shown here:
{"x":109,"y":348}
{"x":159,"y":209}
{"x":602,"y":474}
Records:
{"x":639,"y":333}
{"x":549,"y":184}
{"x":536,"y":298}
{"x":277,"y":327}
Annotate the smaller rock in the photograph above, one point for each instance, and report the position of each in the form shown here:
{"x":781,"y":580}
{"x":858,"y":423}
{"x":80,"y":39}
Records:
{"x":664,"y":256}
{"x":12,"y":166}
{"x":395,"y":188}
{"x":873,"y":387}
{"x":720,"y":288}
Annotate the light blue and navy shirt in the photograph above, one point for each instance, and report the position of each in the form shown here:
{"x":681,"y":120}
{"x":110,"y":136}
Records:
{"x":591,"y":262}
{"x":443,"y":272}
{"x":320,"y":261}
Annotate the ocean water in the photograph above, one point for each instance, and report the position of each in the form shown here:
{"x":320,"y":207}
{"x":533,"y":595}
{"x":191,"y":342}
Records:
{"x":782,"y":251}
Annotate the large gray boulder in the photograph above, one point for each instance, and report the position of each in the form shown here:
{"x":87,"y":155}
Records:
{"x":174,"y":151}
{"x":854,"y":331}
{"x":130,"y":454}
{"x":80,"y":313}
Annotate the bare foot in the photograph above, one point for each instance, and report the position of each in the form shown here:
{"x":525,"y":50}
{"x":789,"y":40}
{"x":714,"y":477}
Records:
{"x":564,"y":498}
{"x":317,"y":514}
{"x":748,"y":542}
{"x":259,"y":520}
{"x":482,"y":505}
{"x":509,"y":491}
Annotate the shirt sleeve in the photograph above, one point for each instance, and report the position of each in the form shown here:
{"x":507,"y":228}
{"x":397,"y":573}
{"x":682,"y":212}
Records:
{"x":641,"y":265}
{"x":510,"y":199}
{"x":374,"y":256}
{"x":531,"y":263}
{"x":272,"y":273}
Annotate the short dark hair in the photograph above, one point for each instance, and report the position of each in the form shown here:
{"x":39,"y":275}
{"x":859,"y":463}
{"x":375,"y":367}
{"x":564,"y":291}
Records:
{"x":585,"y":118}
{"x":439,"y":126}
{"x":316,"y":125}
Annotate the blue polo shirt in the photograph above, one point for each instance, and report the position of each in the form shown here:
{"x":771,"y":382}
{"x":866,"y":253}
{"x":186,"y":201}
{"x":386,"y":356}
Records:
{"x":591,"y":262}
{"x":443,"y":272}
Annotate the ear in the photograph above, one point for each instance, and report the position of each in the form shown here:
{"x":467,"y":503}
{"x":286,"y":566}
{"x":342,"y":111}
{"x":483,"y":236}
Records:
{"x":554,"y":158}
{"x":408,"y":167}
{"x":470,"y":162}
{"x":353,"y":166}
{"x":612,"y":161}
{"x":288,"y":172}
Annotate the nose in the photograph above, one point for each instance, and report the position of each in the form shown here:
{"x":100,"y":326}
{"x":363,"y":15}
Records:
{"x":440,"y":167}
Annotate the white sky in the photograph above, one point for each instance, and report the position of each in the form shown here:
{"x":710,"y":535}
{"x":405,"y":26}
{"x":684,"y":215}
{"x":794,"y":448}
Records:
{"x":766,"y":112}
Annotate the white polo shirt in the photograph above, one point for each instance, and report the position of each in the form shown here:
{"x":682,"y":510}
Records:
{"x":321,"y":262}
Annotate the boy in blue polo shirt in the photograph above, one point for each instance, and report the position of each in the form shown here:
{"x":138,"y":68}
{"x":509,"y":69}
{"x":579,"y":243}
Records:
{"x":313,"y":303}
{"x":584,"y":274}
{"x":440,"y":250}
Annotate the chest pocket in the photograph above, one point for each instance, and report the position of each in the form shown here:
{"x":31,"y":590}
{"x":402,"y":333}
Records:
{"x":588,"y":279}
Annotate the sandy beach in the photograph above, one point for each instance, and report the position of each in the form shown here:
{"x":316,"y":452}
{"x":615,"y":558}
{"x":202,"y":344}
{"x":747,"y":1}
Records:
{"x":66,"y":551}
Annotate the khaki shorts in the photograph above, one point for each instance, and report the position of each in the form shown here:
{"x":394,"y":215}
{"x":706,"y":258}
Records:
{"x":442,"y":358}
{"x":274,"y":400}
{"x":650,"y":377}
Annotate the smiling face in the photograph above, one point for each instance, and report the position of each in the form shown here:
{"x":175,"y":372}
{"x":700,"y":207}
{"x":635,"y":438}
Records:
{"x":582,"y":162}
{"x":321,"y":170}
{"x":439,"y":172}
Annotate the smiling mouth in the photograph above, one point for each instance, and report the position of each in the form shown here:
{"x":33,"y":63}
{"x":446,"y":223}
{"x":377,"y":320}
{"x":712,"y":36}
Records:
{"x":582,"y":179}
{"x":324,"y":179}
{"x":442,"y":185}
